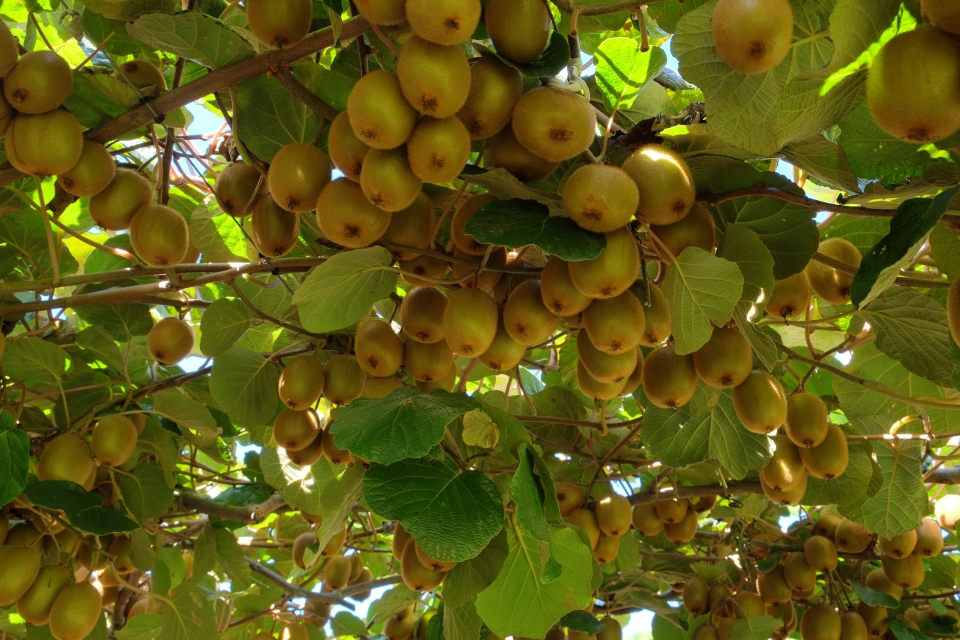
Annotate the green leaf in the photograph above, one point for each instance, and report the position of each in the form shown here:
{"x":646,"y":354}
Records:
{"x":472,"y":576}
{"x":529,"y":495}
{"x":405,"y":424}
{"x":702,"y":290}
{"x":141,"y":551}
{"x":337,"y":500}
{"x":244,"y":383}
{"x":271,"y":117}
{"x":518,"y":223}
{"x":393,"y":601}
{"x":99,"y":343}
{"x":553,"y":59}
{"x":189,"y":615}
{"x":24,"y":237}
{"x":903,"y":632}
{"x":192,"y":35}
{"x":623,"y":69}
{"x":120,"y":43}
{"x":822,"y":160}
{"x":143,"y":627}
{"x":876,"y":155}
{"x":581,"y":621}
{"x":519,"y":604}
{"x":674,"y":438}
{"x":764,"y":345}
{"x":145,"y":491}
{"x":339,"y":292}
{"x":220,"y":547}
{"x":761,"y":628}
{"x":505,"y":186}
{"x":83,"y":509}
{"x":184,"y":410}
{"x":873,"y":597}
{"x":120,"y":321}
{"x":222,"y":324}
{"x":742,"y":246}
{"x":347,"y":624}
{"x":738,"y":450}
{"x":304,"y":486}
{"x":34,"y":360}
{"x":217,"y":235}
{"x":908,"y":229}
{"x":849,"y":486}
{"x":15,"y":462}
{"x":461,"y":623}
{"x":452,"y":514}
{"x":663,"y":628}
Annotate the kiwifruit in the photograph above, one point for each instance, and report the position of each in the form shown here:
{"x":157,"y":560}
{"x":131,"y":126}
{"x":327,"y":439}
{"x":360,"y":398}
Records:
{"x":943,"y":14}
{"x":347,"y":217}
{"x":707,"y":632}
{"x":718,"y":598}
{"x":587,"y":521}
{"x":159,"y":235}
{"x":787,"y":614}
{"x":752,"y":37}
{"x":399,"y":540}
{"x":602,"y":366}
{"x":947,"y":511}
{"x":309,"y":455}
{"x":467,"y":274}
{"x":929,"y":539}
{"x":669,"y":379}
{"x":19,"y":567}
{"x":331,"y":451}
{"x":607,"y":548}
{"x":427,"y":362}
{"x":35,"y":604}
{"x":9,"y":50}
{"x":773,"y":587}
{"x":335,"y":544}
{"x":747,"y":604}
{"x":429,"y":561}
{"x":447,"y":383}
{"x":760,"y":402}
{"x":279,"y":23}
{"x":600,"y":198}
{"x":569,"y":496}
{"x":388,"y":181}
{"x":519,"y":29}
{"x":695,"y":596}
{"x":558,"y":291}
{"x":613,"y":271}
{"x":39,"y":83}
{"x":853,"y":627}
{"x":92,"y":174}
{"x":421,"y":314}
{"x":683,"y":531}
{"x":398,"y":628}
{"x":696,"y":229}
{"x":356,"y":567}
{"x":786,"y":498}
{"x":274,"y":230}
{"x":828,"y":283}
{"x":25,"y":534}
{"x":343,"y":379}
{"x":553,"y":124}
{"x":114,"y":439}
{"x":645,"y":519}
{"x":613,"y":513}
{"x":384,"y":12}
{"x":821,"y":553}
{"x":504,"y":353}
{"x":806,"y":423}
{"x":298,"y":173}
{"x":878,"y":580}
{"x":170,"y":341}
{"x":294,"y":631}
{"x":820,"y":623}
{"x":346,"y":150}
{"x":379,"y":350}
{"x":852,"y":537}
{"x":414,"y":574}
{"x":595,"y":389}
{"x":672,"y":510}
{"x":446,"y":22}
{"x":791,"y":296}
{"x":236,"y":188}
{"x":66,"y":457}
{"x":470,"y":322}
{"x":899,"y":545}
{"x":381,"y":387}
{"x":7,"y":113}
{"x":908,"y":572}
{"x":44,"y":145}
{"x":113,"y":207}
{"x":75,"y":612}
{"x":494,"y":90}
{"x":829,"y":459}
{"x":435,"y":79}
{"x":657,"y":316}
{"x":874,"y":617}
{"x":827,"y":525}
{"x":666,"y":188}
{"x":336,"y":573}
{"x":506,"y":152}
{"x":438,"y":150}
{"x":301,"y":382}
{"x":525,"y":317}
{"x":785,"y":468}
{"x":141,"y":74}
{"x":378,"y":112}
{"x":936,"y":82}
{"x":463,"y":240}
{"x":412,"y":227}
{"x":296,"y":430}
{"x":725,"y":360}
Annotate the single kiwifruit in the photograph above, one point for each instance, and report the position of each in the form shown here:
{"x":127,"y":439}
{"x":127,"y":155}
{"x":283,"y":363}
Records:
{"x":300,"y":545}
{"x":298,"y":173}
{"x":672,"y":510}
{"x":519,"y":29}
{"x":39,"y":83}
{"x":569,"y":497}
{"x":236,"y":188}
{"x":75,"y":612}
{"x":829,"y":459}
{"x":66,"y":457}
{"x":301,"y":382}
{"x":309,"y":455}
{"x":899,"y":545}
{"x":936,"y":82}
{"x":468,"y":272}
{"x":695,"y":592}
{"x":343,"y":379}
{"x":657,"y":315}
{"x":829,"y":283}
{"x":275,"y":231}
{"x":786,"y":498}
{"x":606,"y":550}
{"x":604,"y":367}
{"x":718,"y":598}
{"x":773,"y":587}
{"x":427,"y":362}
{"x":463,"y":240}
{"x":797,"y":572}
{"x":947,"y":511}
{"x":438,"y":150}
{"x":553,"y":124}
{"x":600,"y":197}
{"x":878,"y":580}
{"x":378,"y":112}
{"x":356,"y":567}
{"x":806,"y":423}
{"x":114,"y":439}
{"x":908,"y":572}
{"x":587,"y":521}
{"x":760,"y":402}
{"x":447,"y":383}
{"x":379,"y":349}
{"x":790,"y":297}
{"x":525,"y":317}
{"x":821,"y":622}
{"x":170,"y":341}
{"x":384,"y":12}
{"x":434,"y":78}
{"x":943,"y":14}
{"x":34,"y":606}
{"x":613,"y":513}
{"x":446,"y":22}
{"x":507,"y":153}
{"x":929,"y":539}
{"x":94,"y":171}
{"x":696,"y":229}
{"x":750,"y":36}
{"x":470,"y":322}
{"x":559,"y":293}
{"x":399,"y":628}
{"x":347,"y":217}
{"x":852,"y":537}
{"x":7,"y":113}
{"x":666,"y":188}
{"x":336,"y":573}
{"x":19,"y":567}
{"x":429,"y":561}
{"x":853,"y":626}
{"x":684,"y":531}
{"x":494,"y":90}
{"x":331,"y":451}
{"x":399,"y":540}
{"x":296,"y":430}
{"x":827,"y":525}
{"x":613,"y":271}
{"x":335,"y":543}
{"x":141,"y":74}
{"x":787,"y":614}
{"x":725,"y":360}
{"x":596,"y":390}
{"x":294,"y":631}
{"x":44,"y":145}
{"x":279,"y":23}
{"x":504,"y":352}
{"x":874,"y":617}
{"x":9,"y":50}
{"x":159,"y":235}
{"x":747,"y":604}
{"x":669,"y":379}
{"x":421,"y":314}
{"x":412,"y":227}
{"x":821,"y":553}
{"x":785,"y":469}
{"x":388,"y":181}
{"x":645,"y":519}
{"x":113,"y":208}
{"x":381,"y":387}
{"x":346,"y":150}
{"x":415,"y":575}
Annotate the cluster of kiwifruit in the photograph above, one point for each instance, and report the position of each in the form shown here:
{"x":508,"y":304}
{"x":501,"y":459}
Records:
{"x":676,"y":518}
{"x":611,"y":631}
{"x":419,"y":571}
{"x":604,"y":521}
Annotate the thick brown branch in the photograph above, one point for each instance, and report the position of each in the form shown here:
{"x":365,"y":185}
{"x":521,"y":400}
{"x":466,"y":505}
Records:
{"x":330,"y":597}
{"x":249,"y":514}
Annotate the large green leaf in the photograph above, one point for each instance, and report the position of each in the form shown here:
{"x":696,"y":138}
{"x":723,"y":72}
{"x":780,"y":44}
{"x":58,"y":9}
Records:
{"x":218,"y":235}
{"x":96,"y":341}
{"x":222,"y":324}
{"x":849,"y":486}
{"x":623,"y":69}
{"x":34,"y":360}
{"x":738,"y":450}
{"x":84,"y":510}
{"x":472,"y":576}
{"x":192,"y":35}
{"x":184,"y":410}
{"x":676,"y":439}
{"x":188,"y":615}
{"x":14,"y":460}
{"x":245,"y":385}
{"x":788,"y":230}
{"x":271,"y":117}
{"x":145,"y":491}
{"x":742,"y":246}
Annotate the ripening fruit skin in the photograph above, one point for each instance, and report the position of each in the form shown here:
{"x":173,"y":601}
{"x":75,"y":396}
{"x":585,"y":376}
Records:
{"x":113,"y":208}
{"x":806,"y":423}
{"x":898,"y":546}
{"x":947,"y":511}
{"x":613,"y":271}
{"x":141,"y":74}
{"x":908,"y":572}
{"x":463,"y":240}
{"x":635,"y":379}
{"x":785,"y":469}
{"x":520,"y":29}
{"x":798,"y":573}
{"x":569,"y":496}
{"x":874,"y":617}
{"x":415,"y":575}
{"x":683,"y":531}
{"x":75,"y":612}
{"x":852,"y":537}
{"x":725,"y":360}
{"x":773,"y":587}
{"x":587,"y":521}
{"x":7,"y":113}
{"x":748,"y":605}
{"x":438,"y":150}
{"x":280,"y":23}
{"x":446,"y":22}
{"x":66,"y":457}
{"x":672,"y":511}
{"x":507,"y":153}
{"x":298,"y":173}
{"x":600,"y":197}
{"x":343,"y":379}
{"x":829,"y":459}
{"x":467,"y":273}
{"x":44,"y":145}
{"x":398,"y":628}
{"x":645,"y":519}
{"x":615,"y":325}
{"x":553,"y":124}
{"x":309,"y":455}
{"x":296,"y":430}
{"x":421,"y":314}
{"x":753,"y":36}
{"x":524,"y":316}
{"x":379,"y":350}
{"x":787,"y":498}
{"x":669,"y":379}
{"x":695,"y":596}
{"x":435,"y":79}
{"x":657,"y":316}
{"x":828,"y":283}
{"x":666,"y":188}
{"x":159,"y":235}
{"x":790,"y":297}
{"x":9,"y":50}
{"x":827,"y":526}
{"x":893,"y":75}
{"x":929,"y":539}
{"x":760,"y":403}
{"x":878,"y":580}
{"x":274,"y":230}
{"x":943,"y":14}
{"x":853,"y":627}
{"x":382,"y":12}
{"x":821,"y":553}
{"x":613,"y":513}
{"x":332,"y":452}
{"x":696,"y":229}
{"x":301,"y":382}
{"x":39,"y":83}
{"x":604,"y":367}
{"x":494,"y":90}
{"x":596,"y":390}
{"x":19,"y":567}
{"x":820,"y":623}
{"x":336,"y":573}
{"x":412,"y":227}
{"x":427,"y":362}
{"x":429,"y":561}
{"x":347,"y":217}
{"x":114,"y":439}
{"x":381,"y":387}
{"x":470,"y":322}
{"x":170,"y":341}
{"x":387,"y":180}
{"x":346,"y":150}
{"x":236,"y":188}
{"x":92,"y":174}
{"x":378,"y":112}
{"x":34,"y":606}
{"x":504,"y":353}
{"x":294,"y":631}
{"x":607,"y":548}
{"x":559,"y":293}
